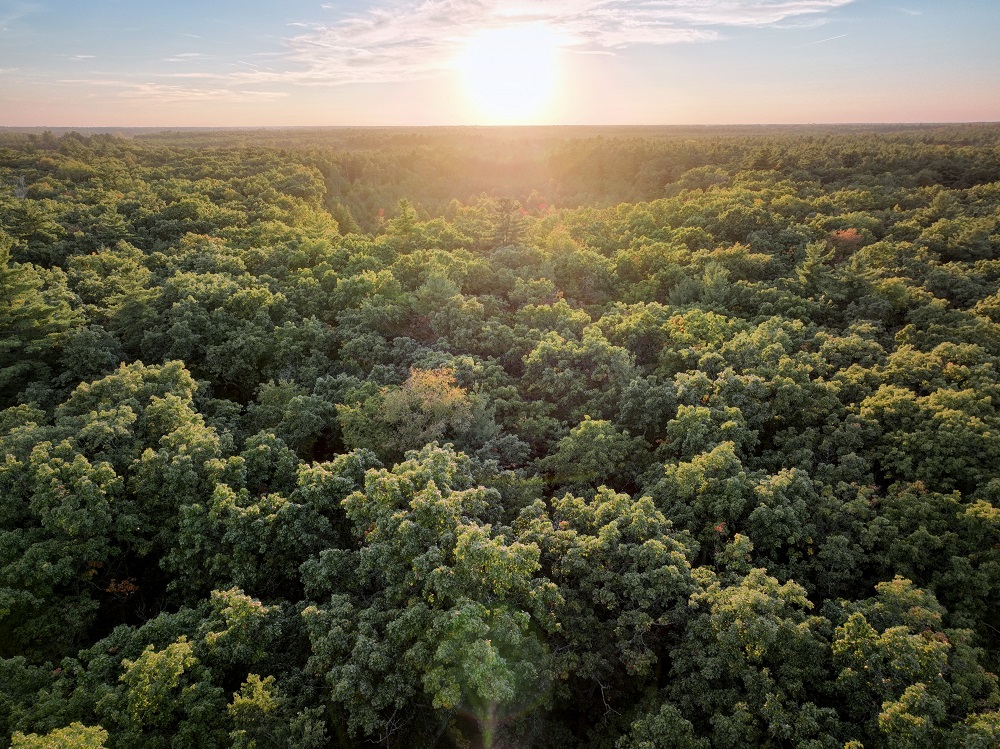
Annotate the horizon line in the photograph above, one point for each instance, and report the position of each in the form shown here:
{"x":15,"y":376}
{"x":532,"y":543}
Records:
{"x":521,"y":126}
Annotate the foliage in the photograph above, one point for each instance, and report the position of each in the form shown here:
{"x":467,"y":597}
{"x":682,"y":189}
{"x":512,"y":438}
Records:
{"x":540,"y":437}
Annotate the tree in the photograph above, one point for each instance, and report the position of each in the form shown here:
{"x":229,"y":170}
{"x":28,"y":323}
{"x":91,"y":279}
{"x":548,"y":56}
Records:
{"x":752,"y":664}
{"x":959,"y":428}
{"x":662,"y":728}
{"x":708,"y":496}
{"x":267,"y":515}
{"x":434,"y":603}
{"x":428,"y":407}
{"x":901,"y":673}
{"x":623,"y":575}
{"x":32,"y":322}
{"x":579,"y":378}
{"x":594,"y":454}
{"x":94,"y":496}
{"x":509,"y":222}
{"x":73,"y":736}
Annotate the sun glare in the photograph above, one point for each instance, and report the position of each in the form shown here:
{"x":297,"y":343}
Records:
{"x":510,"y":73}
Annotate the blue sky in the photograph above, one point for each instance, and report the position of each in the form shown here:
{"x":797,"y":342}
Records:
{"x":392,"y":62}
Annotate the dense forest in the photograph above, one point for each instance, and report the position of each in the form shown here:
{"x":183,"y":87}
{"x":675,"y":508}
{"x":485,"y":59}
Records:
{"x":618,"y":439}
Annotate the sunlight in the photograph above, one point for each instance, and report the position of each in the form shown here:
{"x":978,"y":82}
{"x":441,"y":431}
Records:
{"x":510,"y":73}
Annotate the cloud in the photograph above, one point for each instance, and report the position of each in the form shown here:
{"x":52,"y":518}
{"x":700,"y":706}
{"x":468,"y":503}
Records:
{"x":252,"y":65}
{"x":185,"y":57}
{"x":91,"y":82}
{"x":821,"y":41}
{"x":12,"y":12}
{"x":170,"y":93}
{"x":739,"y":12}
{"x":163,"y":93}
{"x":401,"y":40}
{"x":416,"y":39}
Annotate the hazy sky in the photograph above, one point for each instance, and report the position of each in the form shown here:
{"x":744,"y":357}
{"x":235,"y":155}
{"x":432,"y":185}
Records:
{"x":396,"y":62}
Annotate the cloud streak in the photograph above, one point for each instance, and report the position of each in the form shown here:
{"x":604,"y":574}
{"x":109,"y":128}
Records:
{"x":821,"y":41}
{"x":160,"y":93}
{"x":169,"y":93}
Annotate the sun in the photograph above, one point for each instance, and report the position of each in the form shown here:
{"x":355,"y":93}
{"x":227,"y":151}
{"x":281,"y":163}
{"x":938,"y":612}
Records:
{"x":510,"y":73}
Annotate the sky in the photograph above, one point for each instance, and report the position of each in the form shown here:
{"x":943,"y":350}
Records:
{"x":175,"y":63}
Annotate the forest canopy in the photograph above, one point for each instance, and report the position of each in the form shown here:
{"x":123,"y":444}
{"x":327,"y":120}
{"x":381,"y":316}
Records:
{"x":609,"y":438}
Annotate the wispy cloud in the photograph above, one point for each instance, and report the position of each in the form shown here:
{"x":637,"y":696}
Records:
{"x":91,"y":82}
{"x":821,"y":41}
{"x":12,"y":12}
{"x":162,"y":93}
{"x":252,"y":66}
{"x":401,"y":40}
{"x":169,"y":93}
{"x":185,"y":57}
{"x":421,"y":38}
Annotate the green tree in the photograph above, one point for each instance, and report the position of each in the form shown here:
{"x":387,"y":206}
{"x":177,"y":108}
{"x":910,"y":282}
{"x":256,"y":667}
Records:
{"x":623,"y":576}
{"x":903,"y":675}
{"x":428,"y":407}
{"x":752,"y":664}
{"x":662,"y":728}
{"x":73,"y":736}
{"x":31,"y":321}
{"x":578,"y":378}
{"x":436,"y":603}
{"x":594,"y":454}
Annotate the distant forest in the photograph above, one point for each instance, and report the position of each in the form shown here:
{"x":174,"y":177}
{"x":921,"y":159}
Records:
{"x":610,"y":438}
